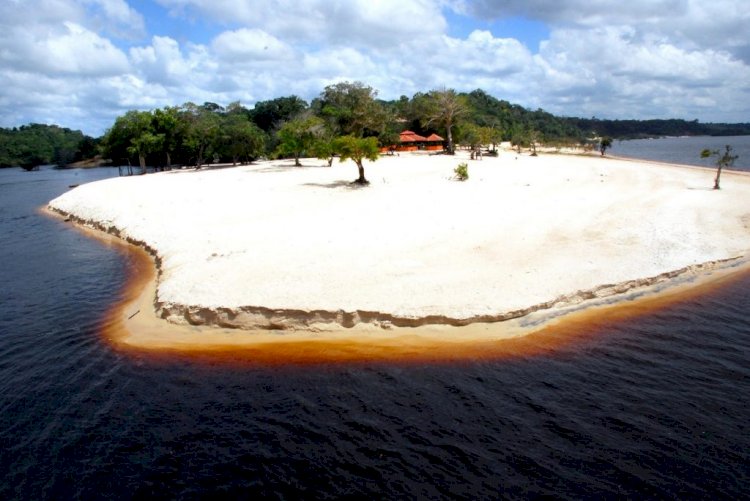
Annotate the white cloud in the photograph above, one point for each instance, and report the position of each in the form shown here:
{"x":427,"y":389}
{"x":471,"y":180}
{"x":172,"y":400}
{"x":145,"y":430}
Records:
{"x":118,"y":16}
{"x":483,"y":54}
{"x":625,"y":76}
{"x":338,"y":22}
{"x":80,"y":52}
{"x":66,"y":60}
{"x":690,"y":24}
{"x":163,"y":62}
{"x":250,"y":45}
{"x":71,"y":49}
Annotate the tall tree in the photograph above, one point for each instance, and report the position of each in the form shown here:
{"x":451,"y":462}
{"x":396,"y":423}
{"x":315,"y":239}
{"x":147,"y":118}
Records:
{"x":324,"y":146}
{"x":202,"y":131}
{"x":725,"y":159}
{"x":168,"y":124}
{"x":470,"y":136}
{"x":444,"y":108}
{"x":239,"y":138}
{"x":297,"y":136}
{"x":134,"y":131}
{"x":269,"y":115}
{"x":359,"y":150}
{"x":351,"y":109}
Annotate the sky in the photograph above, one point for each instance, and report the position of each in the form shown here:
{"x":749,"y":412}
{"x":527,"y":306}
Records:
{"x":81,"y":63}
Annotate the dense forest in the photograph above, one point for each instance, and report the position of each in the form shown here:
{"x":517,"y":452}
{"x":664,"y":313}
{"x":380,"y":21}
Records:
{"x":36,"y":144}
{"x":290,"y":127}
{"x":638,"y":129}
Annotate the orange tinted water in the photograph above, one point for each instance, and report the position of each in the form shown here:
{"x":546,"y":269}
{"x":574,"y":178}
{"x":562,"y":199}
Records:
{"x":447,"y":344}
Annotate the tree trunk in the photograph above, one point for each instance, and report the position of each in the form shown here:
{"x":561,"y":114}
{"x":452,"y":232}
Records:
{"x":361,"y":179}
{"x":450,"y":138}
{"x":142,"y":161}
{"x":716,"y":181}
{"x":330,"y":161}
{"x":199,"y":158}
{"x":296,"y":160}
{"x":169,"y":161}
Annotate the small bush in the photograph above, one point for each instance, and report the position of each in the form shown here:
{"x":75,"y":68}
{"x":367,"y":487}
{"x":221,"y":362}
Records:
{"x":462,"y":171}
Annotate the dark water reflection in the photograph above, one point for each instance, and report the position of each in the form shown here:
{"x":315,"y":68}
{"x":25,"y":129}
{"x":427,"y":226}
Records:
{"x":653,"y":407}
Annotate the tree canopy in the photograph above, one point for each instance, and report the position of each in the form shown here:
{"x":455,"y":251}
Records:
{"x":298,"y":136}
{"x":36,"y":144}
{"x":359,"y":150}
{"x":193,"y":134}
{"x":189,"y":134}
{"x":350,"y":108}
{"x":443,"y":108}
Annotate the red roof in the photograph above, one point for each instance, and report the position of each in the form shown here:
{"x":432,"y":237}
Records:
{"x":434,"y":137}
{"x":408,"y":136}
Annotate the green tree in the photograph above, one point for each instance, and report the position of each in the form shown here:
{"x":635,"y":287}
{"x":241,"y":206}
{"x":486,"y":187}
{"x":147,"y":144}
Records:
{"x":239,"y":138}
{"x":469,"y":136}
{"x":134,"y":132}
{"x":519,"y":138}
{"x":534,"y":138}
{"x":725,"y":159}
{"x":350,"y":108}
{"x":494,"y":136}
{"x":269,"y":115}
{"x":389,"y":139}
{"x":168,"y":124}
{"x":297,"y":136}
{"x":604,"y":144}
{"x":444,"y":108}
{"x":324,"y":146}
{"x":202,"y":132}
{"x":29,"y":146}
{"x":358,"y":149}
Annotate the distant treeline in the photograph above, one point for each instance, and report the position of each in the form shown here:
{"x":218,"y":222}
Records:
{"x":639,"y":129}
{"x":37,"y":144}
{"x":192,"y":134}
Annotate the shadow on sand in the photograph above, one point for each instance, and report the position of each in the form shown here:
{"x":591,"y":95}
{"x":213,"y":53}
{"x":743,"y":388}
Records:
{"x":287,"y":167}
{"x":337,"y":185}
{"x":191,"y":168}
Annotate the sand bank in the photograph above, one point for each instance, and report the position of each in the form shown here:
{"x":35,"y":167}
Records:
{"x":271,"y":246}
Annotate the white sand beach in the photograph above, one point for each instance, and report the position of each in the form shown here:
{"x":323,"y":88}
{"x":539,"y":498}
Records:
{"x":271,"y":246}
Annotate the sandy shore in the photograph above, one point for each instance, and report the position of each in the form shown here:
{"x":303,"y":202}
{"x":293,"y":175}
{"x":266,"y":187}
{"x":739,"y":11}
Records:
{"x":270,"y":246}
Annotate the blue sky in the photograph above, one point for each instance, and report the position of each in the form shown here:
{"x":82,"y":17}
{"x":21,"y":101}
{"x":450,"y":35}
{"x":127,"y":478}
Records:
{"x":527,"y":31}
{"x":81,"y":63}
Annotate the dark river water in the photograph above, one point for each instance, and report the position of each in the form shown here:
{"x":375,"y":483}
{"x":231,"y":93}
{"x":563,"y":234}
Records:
{"x":685,"y":150}
{"x":656,"y":406}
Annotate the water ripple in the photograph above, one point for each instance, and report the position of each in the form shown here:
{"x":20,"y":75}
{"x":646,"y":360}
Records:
{"x":652,"y":407}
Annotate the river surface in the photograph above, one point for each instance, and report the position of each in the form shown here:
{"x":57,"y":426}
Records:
{"x":650,"y":407}
{"x":685,"y":150}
